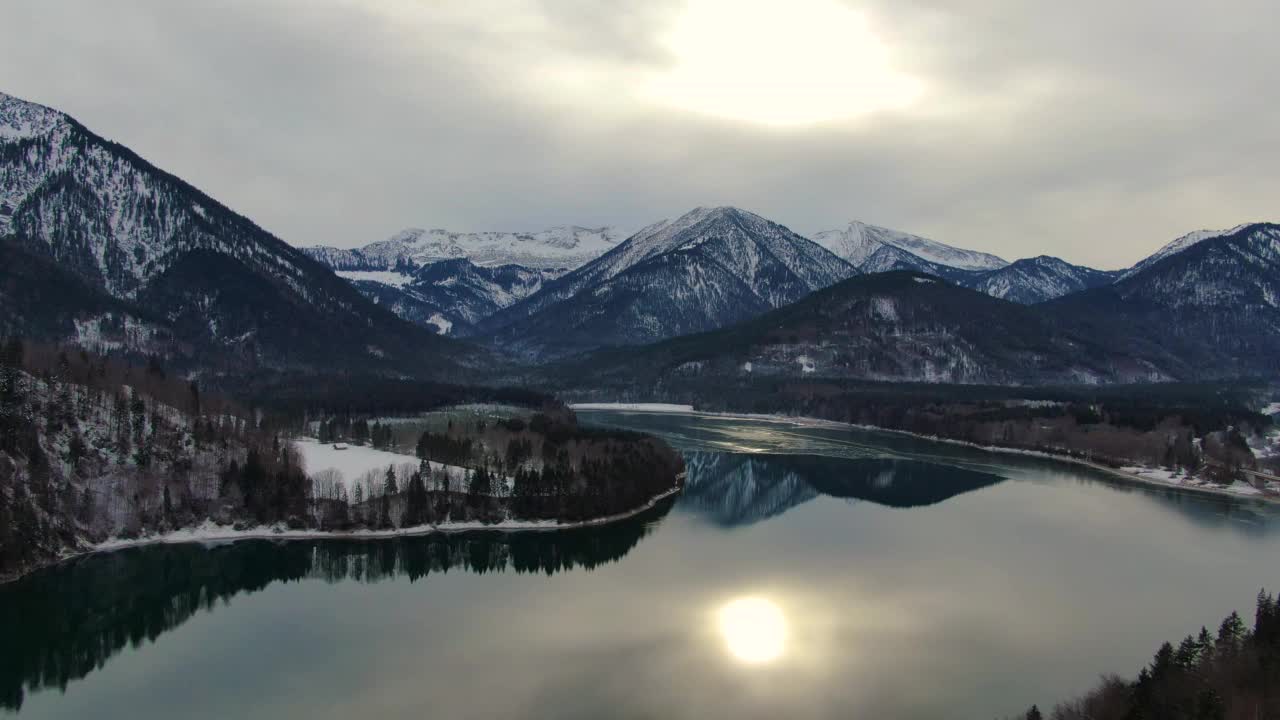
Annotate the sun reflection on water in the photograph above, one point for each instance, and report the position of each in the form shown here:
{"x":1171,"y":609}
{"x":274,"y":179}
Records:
{"x":754,"y":629}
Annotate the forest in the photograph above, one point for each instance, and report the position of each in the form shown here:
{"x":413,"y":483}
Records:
{"x":546,"y":467}
{"x":95,"y":448}
{"x":1233,"y":674}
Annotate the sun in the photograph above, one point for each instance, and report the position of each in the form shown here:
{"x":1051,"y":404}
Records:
{"x":779,"y":62}
{"x":754,"y":630}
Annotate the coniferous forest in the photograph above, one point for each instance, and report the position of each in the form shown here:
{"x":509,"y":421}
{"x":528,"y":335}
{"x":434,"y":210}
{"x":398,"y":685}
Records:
{"x":1230,"y":674}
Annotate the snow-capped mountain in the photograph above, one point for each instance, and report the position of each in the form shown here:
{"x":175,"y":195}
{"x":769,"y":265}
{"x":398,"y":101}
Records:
{"x":450,"y":296}
{"x":564,"y":247}
{"x":708,"y":268}
{"x":1214,"y":304}
{"x":1173,"y":248}
{"x":889,"y":258}
{"x":130,"y":233}
{"x":1037,"y":279}
{"x":857,"y":242}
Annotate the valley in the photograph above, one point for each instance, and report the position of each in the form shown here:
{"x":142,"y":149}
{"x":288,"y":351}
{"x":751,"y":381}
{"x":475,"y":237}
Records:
{"x":710,"y":467}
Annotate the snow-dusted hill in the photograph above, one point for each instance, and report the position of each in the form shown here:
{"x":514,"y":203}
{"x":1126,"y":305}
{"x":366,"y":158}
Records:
{"x":135,"y":234}
{"x":1214,"y":303}
{"x":709,"y":268}
{"x":450,"y":296}
{"x":857,"y":242}
{"x":564,"y":247}
{"x":1037,"y":279}
{"x":1173,"y":248}
{"x":892,"y":327}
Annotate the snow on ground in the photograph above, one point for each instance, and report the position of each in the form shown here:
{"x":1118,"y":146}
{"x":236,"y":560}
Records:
{"x":443,"y":324}
{"x":210,"y":533}
{"x":386,"y":277}
{"x":357,"y":460}
{"x":636,"y":407}
{"x":1272,"y":409}
{"x":1169,"y":477}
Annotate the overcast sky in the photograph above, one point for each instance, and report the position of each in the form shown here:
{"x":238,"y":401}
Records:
{"x":1094,"y":130}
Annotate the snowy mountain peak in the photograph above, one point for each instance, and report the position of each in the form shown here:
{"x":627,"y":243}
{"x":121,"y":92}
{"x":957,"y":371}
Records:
{"x":20,"y":119}
{"x":564,"y":246}
{"x":748,"y":234}
{"x":858,"y":241}
{"x":1180,"y":244}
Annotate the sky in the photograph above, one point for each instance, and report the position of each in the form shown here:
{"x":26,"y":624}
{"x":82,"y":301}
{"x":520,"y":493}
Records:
{"x":1092,"y":130}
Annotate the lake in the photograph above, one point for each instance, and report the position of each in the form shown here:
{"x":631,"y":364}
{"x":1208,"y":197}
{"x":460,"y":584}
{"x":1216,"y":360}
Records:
{"x":804,"y":572}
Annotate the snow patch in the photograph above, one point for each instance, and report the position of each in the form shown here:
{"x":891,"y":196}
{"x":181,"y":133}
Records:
{"x":443,"y":324}
{"x":386,"y":277}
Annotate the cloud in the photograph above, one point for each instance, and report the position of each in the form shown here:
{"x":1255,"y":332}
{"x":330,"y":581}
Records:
{"x":1092,"y":130}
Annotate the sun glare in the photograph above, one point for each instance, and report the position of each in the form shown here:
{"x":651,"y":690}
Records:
{"x":779,"y":62}
{"x":754,"y":630}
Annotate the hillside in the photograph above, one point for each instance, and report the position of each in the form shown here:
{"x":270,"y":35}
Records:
{"x":897,"y":326}
{"x":232,"y":294}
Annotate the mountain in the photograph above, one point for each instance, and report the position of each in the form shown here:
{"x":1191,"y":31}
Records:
{"x":890,"y":258}
{"x":1177,"y":246}
{"x":1214,"y":303}
{"x":450,"y":296}
{"x":1037,"y":279}
{"x":896,"y":326}
{"x":875,"y":249}
{"x":139,"y":242}
{"x":563,"y":247}
{"x":709,"y":268}
{"x":857,"y":242}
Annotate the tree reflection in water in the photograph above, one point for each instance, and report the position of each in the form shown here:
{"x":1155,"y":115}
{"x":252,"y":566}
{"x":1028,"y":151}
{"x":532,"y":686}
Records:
{"x":60,"y":624}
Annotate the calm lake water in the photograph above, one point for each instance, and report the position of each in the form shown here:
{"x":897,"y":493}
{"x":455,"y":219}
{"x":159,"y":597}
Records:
{"x":883,"y":577}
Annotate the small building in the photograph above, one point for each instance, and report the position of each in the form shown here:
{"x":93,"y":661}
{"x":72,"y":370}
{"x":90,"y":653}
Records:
{"x":339,"y":446}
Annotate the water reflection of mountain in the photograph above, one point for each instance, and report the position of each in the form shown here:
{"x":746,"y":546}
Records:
{"x":60,"y":624}
{"x":739,"y":489}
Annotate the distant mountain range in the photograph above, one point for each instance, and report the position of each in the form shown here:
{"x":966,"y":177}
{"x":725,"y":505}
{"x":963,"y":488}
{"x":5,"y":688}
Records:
{"x":562,"y":248}
{"x":707,"y":269}
{"x":384,"y":272}
{"x":860,"y":243}
{"x":102,"y":248}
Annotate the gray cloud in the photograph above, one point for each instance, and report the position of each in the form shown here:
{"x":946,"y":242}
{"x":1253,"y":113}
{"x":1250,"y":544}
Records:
{"x":1091,"y":130}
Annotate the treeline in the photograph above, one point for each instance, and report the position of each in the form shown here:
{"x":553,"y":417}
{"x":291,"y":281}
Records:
{"x":350,"y":397}
{"x":1231,"y":675}
{"x":64,"y":622}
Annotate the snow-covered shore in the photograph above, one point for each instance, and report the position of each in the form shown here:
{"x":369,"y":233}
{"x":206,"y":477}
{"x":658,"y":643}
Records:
{"x":1156,"y":477}
{"x":213,"y":534}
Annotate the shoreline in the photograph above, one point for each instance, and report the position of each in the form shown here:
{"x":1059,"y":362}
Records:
{"x":805,"y":421}
{"x":214,"y":534}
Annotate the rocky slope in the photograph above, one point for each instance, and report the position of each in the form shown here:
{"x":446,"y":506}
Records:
{"x":231,"y":293}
